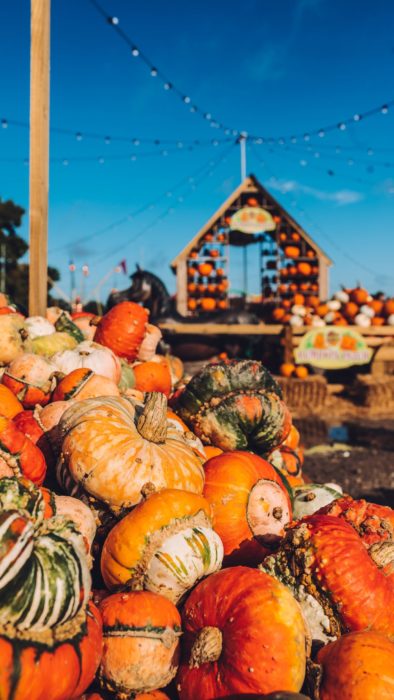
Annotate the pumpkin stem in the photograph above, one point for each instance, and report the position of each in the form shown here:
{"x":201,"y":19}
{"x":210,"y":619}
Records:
{"x":382,"y":554}
{"x":207,"y":647}
{"x":152,"y":423}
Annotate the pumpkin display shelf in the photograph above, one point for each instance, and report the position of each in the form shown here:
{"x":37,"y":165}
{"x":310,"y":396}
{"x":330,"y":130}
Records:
{"x":207,"y":272}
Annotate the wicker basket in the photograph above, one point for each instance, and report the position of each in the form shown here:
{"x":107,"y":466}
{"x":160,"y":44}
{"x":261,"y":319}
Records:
{"x":300,"y":394}
{"x":375,"y":392}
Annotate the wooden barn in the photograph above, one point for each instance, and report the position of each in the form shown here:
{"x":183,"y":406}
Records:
{"x":290,"y":260}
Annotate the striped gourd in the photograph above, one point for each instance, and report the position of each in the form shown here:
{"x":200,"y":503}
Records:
{"x":24,"y":496}
{"x":44,"y":573}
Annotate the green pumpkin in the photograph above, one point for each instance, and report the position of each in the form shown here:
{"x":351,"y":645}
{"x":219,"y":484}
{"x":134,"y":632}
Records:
{"x":235,"y":405}
{"x":44,"y":573}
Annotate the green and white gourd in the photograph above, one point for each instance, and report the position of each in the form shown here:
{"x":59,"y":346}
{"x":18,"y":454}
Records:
{"x":183,"y":559}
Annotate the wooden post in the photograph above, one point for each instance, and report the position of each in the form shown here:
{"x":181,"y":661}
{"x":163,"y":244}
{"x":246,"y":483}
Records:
{"x":39,"y":155}
{"x":287,"y":340}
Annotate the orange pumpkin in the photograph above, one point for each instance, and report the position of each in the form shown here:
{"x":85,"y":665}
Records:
{"x":313,"y":301}
{"x":149,"y":449}
{"x":243,"y":633}
{"x":287,"y":369}
{"x":222,"y":304}
{"x":295,"y":236}
{"x":357,"y":666}
{"x":389,"y":307}
{"x":49,"y":665}
{"x":359,"y":296}
{"x":310,"y":253}
{"x":19,"y":456}
{"x":377,"y":321}
{"x":322,"y":310}
{"x":278,"y":314}
{"x":293,"y":287}
{"x":304,"y":286}
{"x":192,"y":304}
{"x":205,"y":269}
{"x":123,"y":328}
{"x":211,"y":451}
{"x":299,"y":299}
{"x":377,"y":305}
{"x":304,"y":268}
{"x":282,"y":236}
{"x":208,"y":237}
{"x":153,"y":376}
{"x":141,"y":633}
{"x":292,"y":270}
{"x":350,"y":309}
{"x":314,"y":287}
{"x":221,"y":237}
{"x":28,"y":422}
{"x":220,"y":272}
{"x":29,"y":377}
{"x":193,"y":254}
{"x":9,"y":404}
{"x":252,"y":202}
{"x":286,"y":303}
{"x":191,"y":287}
{"x":292,"y":251}
{"x":249,"y":504}
{"x":293,"y":439}
{"x":214,"y":253}
{"x":301,"y":372}
{"x":208,"y":304}
{"x":191,"y":272}
{"x":82,"y":384}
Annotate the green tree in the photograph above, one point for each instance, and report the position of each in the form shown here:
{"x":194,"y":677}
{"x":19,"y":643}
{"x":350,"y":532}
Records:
{"x":14,"y":276}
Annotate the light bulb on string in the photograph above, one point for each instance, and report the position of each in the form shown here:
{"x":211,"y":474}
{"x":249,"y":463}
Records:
{"x":207,"y":116}
{"x":350,"y":161}
{"x":215,"y":142}
{"x":281,"y":142}
{"x":357,"y":118}
{"x":107,"y":140}
{"x":303,"y":163}
{"x":136,"y":142}
{"x":186,"y":99}
{"x":113,"y":20}
{"x":78,"y":136}
{"x":133,"y":157}
{"x":167,"y":86}
{"x":153,"y":72}
{"x":179,"y":144}
{"x":293,"y":139}
{"x":135,"y":51}
{"x":65,"y":161}
{"x":164,"y":153}
{"x":384,"y":109}
{"x":342,"y":126}
{"x":306,"y":137}
{"x":193,"y":108}
{"x":317,"y":154}
{"x":322,"y":133}
{"x":101,"y":160}
{"x":4,"y":124}
{"x":370,"y":152}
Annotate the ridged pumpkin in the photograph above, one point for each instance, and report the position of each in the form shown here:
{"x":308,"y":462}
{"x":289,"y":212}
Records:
{"x":359,"y":666}
{"x":56,"y":664}
{"x":30,"y":378}
{"x":10,"y":406}
{"x":111,"y":449}
{"x":122,"y":329}
{"x":83,"y":384}
{"x":250,"y":505}
{"x":235,"y":404}
{"x":153,"y":376}
{"x":164,"y":545}
{"x":243,"y":633}
{"x":141,"y":633}
{"x":92,"y":356}
{"x":340,"y":588}
{"x":18,"y":455}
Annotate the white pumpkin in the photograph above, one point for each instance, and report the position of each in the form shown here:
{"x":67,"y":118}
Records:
{"x":318,"y":322}
{"x":92,"y":356}
{"x":38,"y":326}
{"x":296,"y":321}
{"x":367,"y":311}
{"x":390,"y":320}
{"x":32,"y":369}
{"x":342,"y":296}
{"x":334,"y":304}
{"x":362,"y":320}
{"x":298,"y":310}
{"x":330,"y":317}
{"x":150,"y":342}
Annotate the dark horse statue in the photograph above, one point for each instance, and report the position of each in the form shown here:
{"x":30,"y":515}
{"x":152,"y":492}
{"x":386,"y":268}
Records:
{"x":148,"y":289}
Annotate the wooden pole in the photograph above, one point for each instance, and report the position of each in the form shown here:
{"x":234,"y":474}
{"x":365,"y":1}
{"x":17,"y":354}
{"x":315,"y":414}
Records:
{"x":39,"y":155}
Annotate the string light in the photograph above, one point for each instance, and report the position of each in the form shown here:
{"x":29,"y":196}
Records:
{"x":153,"y":72}
{"x":342,"y":126}
{"x":135,"y":52}
{"x":4,"y":124}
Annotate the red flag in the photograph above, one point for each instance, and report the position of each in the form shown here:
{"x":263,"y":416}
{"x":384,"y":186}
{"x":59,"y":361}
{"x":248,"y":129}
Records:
{"x":123,"y":265}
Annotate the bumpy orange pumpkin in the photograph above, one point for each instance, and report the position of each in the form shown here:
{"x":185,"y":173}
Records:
{"x":123,"y":328}
{"x":141,"y":642}
{"x":250,"y":505}
{"x":164,"y":545}
{"x":357,"y":667}
{"x":111,"y":450}
{"x":18,"y":455}
{"x":9,"y":404}
{"x":243,"y":633}
{"x":153,"y":376}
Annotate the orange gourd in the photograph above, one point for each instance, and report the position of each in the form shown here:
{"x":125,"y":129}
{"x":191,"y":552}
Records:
{"x":377,"y":321}
{"x":193,"y":254}
{"x":220,"y":272}
{"x":243,"y":632}
{"x":304,"y":286}
{"x":293,"y":439}
{"x":205,"y":269}
{"x":9,"y":404}
{"x":153,"y":376}
{"x":123,"y":328}
{"x":191,"y":287}
{"x":191,"y":271}
{"x":304,"y":268}
{"x":389,"y":307}
{"x":83,"y":383}
{"x":252,"y":202}
{"x":359,"y":296}
{"x":301,"y":372}
{"x":292,"y":251}
{"x":295,"y":236}
{"x":214,"y":253}
{"x":377,"y":305}
{"x":208,"y":304}
{"x":211,"y":451}
{"x":19,"y":456}
{"x":192,"y":304}
{"x":222,"y":304}
{"x":278,"y":314}
{"x":299,"y":299}
{"x":313,"y":301}
{"x":350,"y":310}
{"x":287,"y":369}
{"x":293,"y":287}
{"x":141,"y":633}
{"x":282,"y":236}
{"x":310,"y":253}
{"x":322,"y":310}
{"x":208,"y":237}
{"x":292,"y":270}
{"x":357,"y":666}
{"x":250,"y":506}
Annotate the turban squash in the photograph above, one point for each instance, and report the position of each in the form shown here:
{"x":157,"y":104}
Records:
{"x":165,"y":544}
{"x":112,"y":448}
{"x":235,"y":404}
{"x":243,"y":632}
{"x":18,"y":455}
{"x":340,"y":587}
{"x":250,"y":505}
{"x":30,"y":378}
{"x":141,"y":633}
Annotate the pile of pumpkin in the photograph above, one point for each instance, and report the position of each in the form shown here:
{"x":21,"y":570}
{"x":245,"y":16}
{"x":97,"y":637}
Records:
{"x":347,"y":307}
{"x":145,"y":547}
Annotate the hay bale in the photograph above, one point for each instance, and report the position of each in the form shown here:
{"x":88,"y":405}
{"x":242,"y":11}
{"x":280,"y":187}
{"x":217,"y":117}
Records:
{"x":301,"y":394}
{"x":375,"y":392}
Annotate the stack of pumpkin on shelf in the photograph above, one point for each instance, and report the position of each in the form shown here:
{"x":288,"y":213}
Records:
{"x":207,"y":287}
{"x":347,"y":307}
{"x":214,"y":566}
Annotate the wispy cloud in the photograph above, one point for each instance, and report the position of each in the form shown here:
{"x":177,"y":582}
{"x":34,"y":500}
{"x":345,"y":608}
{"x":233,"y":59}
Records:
{"x":339,"y":197}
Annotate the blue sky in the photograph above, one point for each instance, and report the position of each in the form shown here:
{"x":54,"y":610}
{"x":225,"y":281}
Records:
{"x":271,"y":69}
